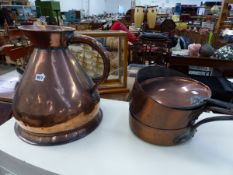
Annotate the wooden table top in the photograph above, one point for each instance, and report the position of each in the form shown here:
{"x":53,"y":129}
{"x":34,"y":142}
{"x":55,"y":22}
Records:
{"x":224,"y":66}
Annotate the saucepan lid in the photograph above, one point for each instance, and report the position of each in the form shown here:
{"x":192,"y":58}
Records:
{"x":176,"y":92}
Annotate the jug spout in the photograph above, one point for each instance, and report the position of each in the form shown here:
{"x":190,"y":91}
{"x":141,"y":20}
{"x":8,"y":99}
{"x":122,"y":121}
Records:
{"x":48,"y":36}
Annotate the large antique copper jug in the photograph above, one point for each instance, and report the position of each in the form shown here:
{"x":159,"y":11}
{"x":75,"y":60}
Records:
{"x":56,"y":102}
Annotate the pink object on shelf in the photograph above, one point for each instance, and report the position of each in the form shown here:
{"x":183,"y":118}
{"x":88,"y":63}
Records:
{"x":194,"y":49}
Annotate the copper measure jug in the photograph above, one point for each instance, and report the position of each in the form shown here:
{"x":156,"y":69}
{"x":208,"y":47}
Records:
{"x":56,"y":101}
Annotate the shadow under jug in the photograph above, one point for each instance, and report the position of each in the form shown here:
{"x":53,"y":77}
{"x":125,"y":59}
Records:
{"x":56,"y":102}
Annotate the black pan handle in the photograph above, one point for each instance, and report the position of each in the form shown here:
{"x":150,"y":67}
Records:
{"x":211,"y":119}
{"x":219,"y":103}
{"x":221,"y":110}
{"x":193,"y":128}
{"x":215,"y":106}
{"x":219,"y":106}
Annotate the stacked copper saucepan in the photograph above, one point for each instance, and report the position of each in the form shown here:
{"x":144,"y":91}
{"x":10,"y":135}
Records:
{"x":169,"y":105}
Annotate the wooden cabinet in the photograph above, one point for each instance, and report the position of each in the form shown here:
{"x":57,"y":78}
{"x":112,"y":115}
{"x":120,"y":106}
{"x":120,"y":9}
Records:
{"x":182,"y":64}
{"x":223,"y":16}
{"x":116,"y":43}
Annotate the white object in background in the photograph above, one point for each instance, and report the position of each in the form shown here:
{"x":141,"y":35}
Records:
{"x":120,"y":9}
{"x":208,"y":25}
{"x":183,"y":52}
{"x":227,"y":32}
{"x":177,"y":47}
{"x":8,"y":81}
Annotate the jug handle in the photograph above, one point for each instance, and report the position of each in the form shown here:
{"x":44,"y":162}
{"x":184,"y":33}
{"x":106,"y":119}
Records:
{"x":101,"y":50}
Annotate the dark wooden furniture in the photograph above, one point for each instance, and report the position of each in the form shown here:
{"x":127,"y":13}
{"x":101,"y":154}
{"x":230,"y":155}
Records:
{"x":153,"y":50}
{"x":182,"y":64}
{"x":153,"y":47}
{"x":6,"y":112}
{"x":16,"y":46}
{"x":223,"y":17}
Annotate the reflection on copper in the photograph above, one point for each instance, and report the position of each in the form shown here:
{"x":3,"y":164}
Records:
{"x":185,"y":89}
{"x":178,"y":91}
{"x":161,"y":90}
{"x":56,"y":101}
{"x":55,"y":39}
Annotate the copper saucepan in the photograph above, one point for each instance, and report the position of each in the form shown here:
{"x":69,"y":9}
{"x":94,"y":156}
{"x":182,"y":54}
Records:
{"x":170,"y":103}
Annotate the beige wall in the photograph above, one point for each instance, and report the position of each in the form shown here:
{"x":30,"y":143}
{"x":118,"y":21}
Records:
{"x":113,"y":5}
{"x":71,"y":4}
{"x":97,"y":7}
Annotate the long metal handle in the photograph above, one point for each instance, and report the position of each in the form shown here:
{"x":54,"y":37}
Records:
{"x":219,"y":103}
{"x":219,"y":107}
{"x":211,"y":119}
{"x":193,"y":128}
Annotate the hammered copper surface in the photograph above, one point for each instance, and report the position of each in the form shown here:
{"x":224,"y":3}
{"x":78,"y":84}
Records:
{"x":55,"y":94}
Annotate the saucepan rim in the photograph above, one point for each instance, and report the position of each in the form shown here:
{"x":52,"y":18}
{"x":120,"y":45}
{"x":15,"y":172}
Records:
{"x":201,"y":103}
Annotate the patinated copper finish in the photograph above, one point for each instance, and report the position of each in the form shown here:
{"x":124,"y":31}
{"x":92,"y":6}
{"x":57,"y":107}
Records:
{"x":176,"y":92}
{"x":58,"y":138}
{"x":156,"y":136}
{"x":153,"y":113}
{"x":56,"y":100}
{"x":164,"y":106}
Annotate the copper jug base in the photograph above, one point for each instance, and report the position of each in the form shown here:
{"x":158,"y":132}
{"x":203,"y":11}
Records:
{"x":162,"y":137}
{"x":58,"y":138}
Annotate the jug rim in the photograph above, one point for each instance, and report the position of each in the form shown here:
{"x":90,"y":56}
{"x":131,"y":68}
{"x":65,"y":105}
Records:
{"x":45,"y":28}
